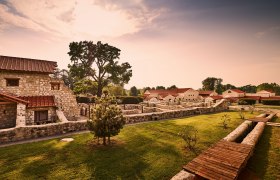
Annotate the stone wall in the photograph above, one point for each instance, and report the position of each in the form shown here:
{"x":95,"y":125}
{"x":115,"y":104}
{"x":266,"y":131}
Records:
{"x":169,"y":114}
{"x":37,"y":131}
{"x":8,"y":114}
{"x":36,"y":84}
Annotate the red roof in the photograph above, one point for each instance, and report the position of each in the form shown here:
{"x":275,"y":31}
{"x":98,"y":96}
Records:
{"x":216,"y":97}
{"x":271,"y":98}
{"x":10,"y":97}
{"x":170,"y":91}
{"x":251,"y":97}
{"x":205,"y":92}
{"x":28,"y":65}
{"x":237,"y":90}
{"x":39,"y":101}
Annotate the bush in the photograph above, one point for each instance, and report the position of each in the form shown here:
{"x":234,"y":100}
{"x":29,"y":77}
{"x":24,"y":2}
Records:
{"x":247,"y":102}
{"x":129,"y":99}
{"x":271,"y":102}
{"x":85,"y":100}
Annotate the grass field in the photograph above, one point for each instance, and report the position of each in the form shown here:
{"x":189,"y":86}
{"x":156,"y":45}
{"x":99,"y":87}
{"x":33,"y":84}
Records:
{"x":142,"y":151}
{"x":266,"y":158}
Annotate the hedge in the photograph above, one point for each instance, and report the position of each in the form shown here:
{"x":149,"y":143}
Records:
{"x":271,"y":102}
{"x":85,"y":100}
{"x":130,"y":99}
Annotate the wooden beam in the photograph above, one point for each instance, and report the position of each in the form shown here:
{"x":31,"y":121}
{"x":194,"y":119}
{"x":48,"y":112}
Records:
{"x":7,"y":103}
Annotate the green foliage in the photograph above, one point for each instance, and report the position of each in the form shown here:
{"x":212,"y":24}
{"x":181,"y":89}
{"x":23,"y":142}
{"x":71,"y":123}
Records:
{"x":172,"y":87}
{"x":271,"y":102}
{"x":97,"y":61}
{"x":269,"y":86}
{"x":115,"y":90}
{"x":246,"y":101}
{"x":241,"y":113}
{"x":107,"y":119}
{"x":189,"y":135}
{"x":225,"y":120}
{"x":160,"y":87}
{"x":85,"y":99}
{"x":212,"y":84}
{"x":248,"y":88}
{"x":133,"y":91}
{"x":228,"y":86}
{"x":85,"y":86}
{"x":130,"y":99}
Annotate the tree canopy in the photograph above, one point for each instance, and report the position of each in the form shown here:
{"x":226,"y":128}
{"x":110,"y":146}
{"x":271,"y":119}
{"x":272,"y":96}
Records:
{"x":99,"y":62}
{"x":212,"y":84}
{"x":133,"y":91}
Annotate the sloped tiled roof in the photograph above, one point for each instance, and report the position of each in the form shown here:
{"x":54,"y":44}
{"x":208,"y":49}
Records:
{"x":39,"y":101}
{"x":237,"y":90}
{"x":12,"y":98}
{"x":28,"y":65}
{"x":216,"y":97}
{"x":205,"y":92}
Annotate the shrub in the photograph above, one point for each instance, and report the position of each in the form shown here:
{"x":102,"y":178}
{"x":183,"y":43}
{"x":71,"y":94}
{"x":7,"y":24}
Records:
{"x":225,"y":120}
{"x":247,"y":101}
{"x":189,"y":135}
{"x":85,"y":100}
{"x":129,"y":99}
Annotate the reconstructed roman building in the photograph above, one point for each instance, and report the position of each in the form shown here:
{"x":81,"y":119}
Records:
{"x":29,"y":95}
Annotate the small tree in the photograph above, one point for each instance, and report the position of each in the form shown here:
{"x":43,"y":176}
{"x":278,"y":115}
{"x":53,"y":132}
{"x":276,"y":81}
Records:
{"x":252,"y":109}
{"x":189,"y":135}
{"x":133,"y":91}
{"x":242,"y":113}
{"x":225,"y":120}
{"x":107,"y":119}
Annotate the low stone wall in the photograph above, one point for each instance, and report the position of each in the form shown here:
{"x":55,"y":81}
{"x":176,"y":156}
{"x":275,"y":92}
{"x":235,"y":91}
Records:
{"x":36,"y":131}
{"x":169,"y":114}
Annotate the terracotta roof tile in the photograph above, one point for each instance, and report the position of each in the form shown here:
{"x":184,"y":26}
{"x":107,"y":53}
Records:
{"x":24,"y":64}
{"x":39,"y":101}
{"x":237,"y":90}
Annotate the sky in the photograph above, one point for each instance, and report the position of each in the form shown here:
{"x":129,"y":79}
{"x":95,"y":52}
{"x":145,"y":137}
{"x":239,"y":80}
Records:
{"x":167,"y":42}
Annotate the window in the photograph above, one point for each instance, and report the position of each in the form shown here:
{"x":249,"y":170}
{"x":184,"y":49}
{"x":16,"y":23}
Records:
{"x":55,"y":86}
{"x":12,"y":82}
{"x":229,"y":91}
{"x":40,"y":116}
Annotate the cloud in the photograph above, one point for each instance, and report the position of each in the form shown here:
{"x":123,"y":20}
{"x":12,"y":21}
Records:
{"x":272,"y":31}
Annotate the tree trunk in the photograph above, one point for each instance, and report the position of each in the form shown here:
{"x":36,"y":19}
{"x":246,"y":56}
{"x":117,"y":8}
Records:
{"x":109,"y":140}
{"x":99,"y":89}
{"x":104,"y":140}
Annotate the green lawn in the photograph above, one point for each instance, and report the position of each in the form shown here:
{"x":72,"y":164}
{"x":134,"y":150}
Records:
{"x":266,"y":158}
{"x":267,"y":106}
{"x":143,"y":151}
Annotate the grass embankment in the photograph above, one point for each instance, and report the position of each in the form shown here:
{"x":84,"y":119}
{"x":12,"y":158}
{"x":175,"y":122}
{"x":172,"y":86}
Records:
{"x":143,"y":151}
{"x":266,"y":158}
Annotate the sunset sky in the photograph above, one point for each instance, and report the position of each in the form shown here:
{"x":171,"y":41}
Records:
{"x":166,"y":41}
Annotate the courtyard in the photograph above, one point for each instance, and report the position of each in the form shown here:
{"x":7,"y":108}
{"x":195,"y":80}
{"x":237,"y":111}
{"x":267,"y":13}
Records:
{"x":150,"y":150}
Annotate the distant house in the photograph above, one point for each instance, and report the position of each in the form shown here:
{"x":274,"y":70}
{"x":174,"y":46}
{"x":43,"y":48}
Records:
{"x":179,"y":94}
{"x":233,"y":93}
{"x":213,"y":99}
{"x":206,"y":94}
{"x":28,"y":95}
{"x":266,"y":93}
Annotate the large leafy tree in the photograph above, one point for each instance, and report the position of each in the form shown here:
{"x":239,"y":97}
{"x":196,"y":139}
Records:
{"x":99,"y":62}
{"x":212,"y":84}
{"x":248,"y":88}
{"x":85,"y":86}
{"x":160,"y":87}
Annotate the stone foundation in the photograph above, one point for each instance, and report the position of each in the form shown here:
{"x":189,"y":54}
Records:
{"x":37,"y":131}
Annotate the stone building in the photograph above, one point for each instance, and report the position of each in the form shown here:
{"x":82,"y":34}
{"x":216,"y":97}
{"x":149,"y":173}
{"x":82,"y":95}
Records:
{"x":29,"y":95}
